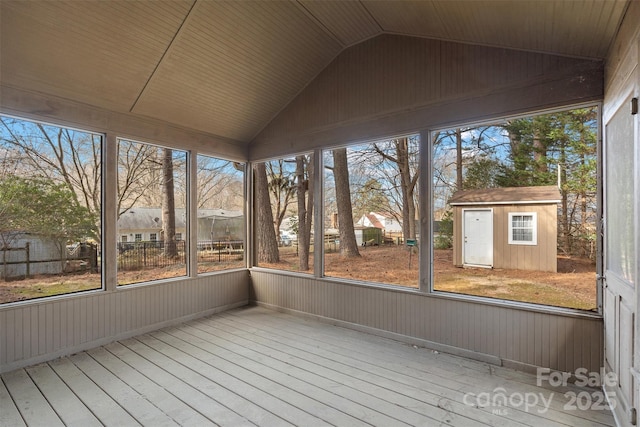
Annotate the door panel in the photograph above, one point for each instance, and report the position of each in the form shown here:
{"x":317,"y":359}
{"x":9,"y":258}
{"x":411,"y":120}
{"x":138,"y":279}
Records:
{"x":620,"y":269}
{"x":625,"y":379}
{"x":610,"y":337}
{"x":478,"y":237}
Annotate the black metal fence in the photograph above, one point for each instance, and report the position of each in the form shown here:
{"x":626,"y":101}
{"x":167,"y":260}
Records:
{"x":139,"y":255}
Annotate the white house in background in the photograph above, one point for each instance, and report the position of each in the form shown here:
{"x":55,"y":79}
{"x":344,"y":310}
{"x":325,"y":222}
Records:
{"x":145,"y":225}
{"x":388,"y":225}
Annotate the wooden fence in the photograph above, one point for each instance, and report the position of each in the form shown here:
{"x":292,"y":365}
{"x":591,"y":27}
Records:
{"x":19,"y":262}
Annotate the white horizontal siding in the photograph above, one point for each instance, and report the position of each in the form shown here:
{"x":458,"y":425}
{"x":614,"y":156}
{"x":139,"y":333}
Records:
{"x":40,"y":330}
{"x":512,"y":336}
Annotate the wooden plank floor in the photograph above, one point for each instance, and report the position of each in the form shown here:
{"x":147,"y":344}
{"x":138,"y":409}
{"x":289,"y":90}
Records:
{"x":256,"y":367}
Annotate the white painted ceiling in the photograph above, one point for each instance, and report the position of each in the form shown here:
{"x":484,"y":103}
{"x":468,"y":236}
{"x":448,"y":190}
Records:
{"x":228,"y":67}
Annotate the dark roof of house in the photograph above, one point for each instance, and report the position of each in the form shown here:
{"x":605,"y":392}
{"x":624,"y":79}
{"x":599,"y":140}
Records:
{"x":150,"y":218}
{"x":507,"y":195}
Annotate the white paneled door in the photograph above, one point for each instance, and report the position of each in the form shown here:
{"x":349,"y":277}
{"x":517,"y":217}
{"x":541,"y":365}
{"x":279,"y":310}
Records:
{"x":621,"y":256}
{"x":477,"y":232}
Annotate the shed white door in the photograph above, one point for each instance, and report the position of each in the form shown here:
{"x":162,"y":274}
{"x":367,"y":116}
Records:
{"x":477,"y":230}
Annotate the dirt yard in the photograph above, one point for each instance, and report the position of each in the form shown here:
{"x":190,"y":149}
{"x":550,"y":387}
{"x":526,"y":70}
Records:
{"x":573,"y":286}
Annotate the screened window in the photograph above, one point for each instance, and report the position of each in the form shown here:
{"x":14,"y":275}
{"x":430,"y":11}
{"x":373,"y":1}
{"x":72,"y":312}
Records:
{"x":523,"y":229}
{"x":371,"y":214}
{"x":221,"y":224}
{"x":283,"y":208}
{"x":622,"y":255}
{"x":50,"y":210}
{"x":152,"y":194}
{"x":537,"y":175}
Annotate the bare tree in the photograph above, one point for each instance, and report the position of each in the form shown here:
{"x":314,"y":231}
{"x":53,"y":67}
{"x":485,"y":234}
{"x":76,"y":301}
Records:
{"x":459,"y":171}
{"x":348,"y":244}
{"x":137,"y":166}
{"x":304,"y":193}
{"x":219,"y":183}
{"x":64,"y":156}
{"x":168,"y":205}
{"x":401,"y":157}
{"x":282,"y":189}
{"x":264,"y":231}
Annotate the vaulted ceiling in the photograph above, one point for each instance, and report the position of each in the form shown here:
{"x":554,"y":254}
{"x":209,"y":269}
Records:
{"x":229,"y":67}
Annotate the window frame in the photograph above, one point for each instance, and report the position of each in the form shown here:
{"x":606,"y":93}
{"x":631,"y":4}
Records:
{"x":143,"y":241}
{"x":427,"y":284}
{"x":102,"y":216}
{"x":195,"y":262}
{"x":315,"y":257}
{"x":533,"y":228}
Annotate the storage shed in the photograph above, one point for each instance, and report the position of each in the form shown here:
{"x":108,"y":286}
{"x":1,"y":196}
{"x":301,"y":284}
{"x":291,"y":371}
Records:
{"x":515,"y":228}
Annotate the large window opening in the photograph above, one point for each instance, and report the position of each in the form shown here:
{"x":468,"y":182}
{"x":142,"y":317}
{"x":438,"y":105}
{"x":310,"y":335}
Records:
{"x":220,"y":225}
{"x":371,"y":212}
{"x":50,"y":210}
{"x":152,"y":195}
{"x":514,"y":205}
{"x":283,"y":211}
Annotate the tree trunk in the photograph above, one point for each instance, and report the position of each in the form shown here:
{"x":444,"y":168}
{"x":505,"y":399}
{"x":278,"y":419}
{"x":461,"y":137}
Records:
{"x":348,"y":244}
{"x":304,"y":217}
{"x":459,"y":159}
{"x":582,"y":194}
{"x":407,"y":185}
{"x":539,"y":152}
{"x":168,"y":205}
{"x":309,"y":222}
{"x":281,"y":189}
{"x":264,"y":232}
{"x":564,"y":211}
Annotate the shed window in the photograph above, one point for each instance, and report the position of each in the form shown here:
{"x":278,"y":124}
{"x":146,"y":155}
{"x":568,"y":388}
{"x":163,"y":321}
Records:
{"x":523,"y":228}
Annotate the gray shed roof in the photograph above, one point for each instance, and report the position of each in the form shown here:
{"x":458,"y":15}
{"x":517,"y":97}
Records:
{"x":507,"y":195}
